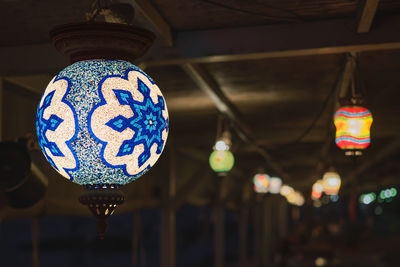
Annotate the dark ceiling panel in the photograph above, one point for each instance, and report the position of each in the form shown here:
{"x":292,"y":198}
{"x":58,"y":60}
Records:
{"x":234,"y":13}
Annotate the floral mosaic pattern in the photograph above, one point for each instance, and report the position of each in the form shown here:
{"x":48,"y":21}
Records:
{"x":55,"y":126}
{"x":131,"y":121}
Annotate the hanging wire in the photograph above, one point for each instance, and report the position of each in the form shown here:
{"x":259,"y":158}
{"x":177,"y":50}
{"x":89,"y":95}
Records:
{"x":220,"y":127}
{"x":295,"y":18}
{"x":319,"y":114}
{"x":359,"y":90}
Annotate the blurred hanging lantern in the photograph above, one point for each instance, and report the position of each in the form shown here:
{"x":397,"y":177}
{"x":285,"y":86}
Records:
{"x":221,"y":159}
{"x":316,"y":195}
{"x":353,"y":125}
{"x":102,"y":122}
{"x":295,"y":198}
{"x":261,"y":182}
{"x":317,"y":189}
{"x":331,"y":183}
{"x":275,"y":184}
{"x":286,"y":190}
{"x":352,"y":120}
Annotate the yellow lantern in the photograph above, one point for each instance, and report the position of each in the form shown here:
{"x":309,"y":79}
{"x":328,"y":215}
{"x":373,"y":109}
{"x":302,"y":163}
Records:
{"x":295,"y":198}
{"x":353,"y":125}
{"x":331,"y":183}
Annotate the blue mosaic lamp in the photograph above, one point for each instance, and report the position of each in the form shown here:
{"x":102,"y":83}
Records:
{"x":101,"y":122}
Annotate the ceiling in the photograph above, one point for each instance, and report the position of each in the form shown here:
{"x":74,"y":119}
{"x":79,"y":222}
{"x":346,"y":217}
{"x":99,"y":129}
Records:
{"x":274,"y":69}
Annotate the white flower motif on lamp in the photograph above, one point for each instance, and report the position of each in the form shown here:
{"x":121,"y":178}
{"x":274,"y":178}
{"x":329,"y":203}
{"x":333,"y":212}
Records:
{"x":56,"y":126}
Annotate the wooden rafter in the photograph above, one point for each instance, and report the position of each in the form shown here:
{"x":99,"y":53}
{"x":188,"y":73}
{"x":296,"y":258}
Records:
{"x":367,"y":14}
{"x":207,"y":46}
{"x":272,"y":41}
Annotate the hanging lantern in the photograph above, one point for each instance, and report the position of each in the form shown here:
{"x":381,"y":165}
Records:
{"x":102,"y":122}
{"x":353,"y":125}
{"x":295,"y":198}
{"x":221,"y":161}
{"x":286,"y":190}
{"x":261,"y":182}
{"x":317,"y":189}
{"x":331,"y":183}
{"x":275,"y":184}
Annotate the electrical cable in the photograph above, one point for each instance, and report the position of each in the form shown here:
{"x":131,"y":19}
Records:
{"x":319,"y":114}
{"x":297,"y":18}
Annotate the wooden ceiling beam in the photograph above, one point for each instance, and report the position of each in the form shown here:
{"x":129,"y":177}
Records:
{"x":366,"y":15}
{"x":224,"y":45}
{"x":281,"y":40}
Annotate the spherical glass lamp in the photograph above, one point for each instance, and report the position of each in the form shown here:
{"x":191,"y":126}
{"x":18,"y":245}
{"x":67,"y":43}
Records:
{"x":221,"y":161}
{"x":275,"y":184}
{"x":331,"y":182}
{"x":353,"y":125}
{"x":102,"y":122}
{"x":261,"y":182}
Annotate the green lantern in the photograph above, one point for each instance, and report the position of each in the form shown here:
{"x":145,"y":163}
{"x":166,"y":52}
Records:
{"x":221,"y":161}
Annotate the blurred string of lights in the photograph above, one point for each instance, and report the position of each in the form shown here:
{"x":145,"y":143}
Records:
{"x":385,"y":195}
{"x":263,"y":183}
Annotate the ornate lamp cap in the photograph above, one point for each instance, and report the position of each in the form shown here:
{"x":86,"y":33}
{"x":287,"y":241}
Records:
{"x":101,"y":40}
